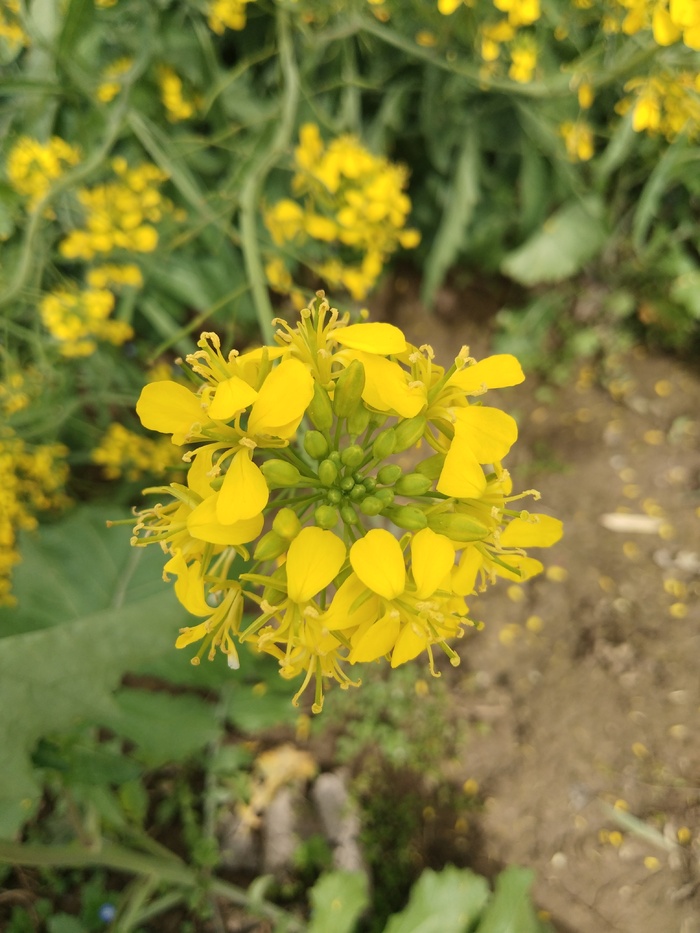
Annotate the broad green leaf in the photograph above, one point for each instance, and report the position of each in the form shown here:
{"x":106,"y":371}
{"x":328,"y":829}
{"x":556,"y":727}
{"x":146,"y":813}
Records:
{"x":511,"y":909}
{"x":460,"y":201}
{"x":449,"y":901}
{"x":337,"y":900}
{"x":567,"y":240}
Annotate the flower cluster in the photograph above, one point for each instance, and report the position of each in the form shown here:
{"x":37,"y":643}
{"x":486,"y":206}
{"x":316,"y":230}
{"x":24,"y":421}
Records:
{"x":77,"y":318}
{"x":669,"y":20}
{"x":112,"y":79}
{"x":10,"y":27}
{"x":353,"y":201}
{"x":578,"y":139}
{"x":32,"y":166}
{"x":353,"y":558}
{"x":664,"y":104}
{"x":226,"y":14}
{"x":177,"y":106}
{"x":124,"y":453}
{"x":119,"y":214}
{"x":31,"y":481}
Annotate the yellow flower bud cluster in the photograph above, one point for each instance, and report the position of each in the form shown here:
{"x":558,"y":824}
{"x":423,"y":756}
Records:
{"x":10,"y":27}
{"x":31,"y":481}
{"x":119,"y":214}
{"x":14,"y":395}
{"x":177,"y":106}
{"x":664,"y":104}
{"x":670,"y":21}
{"x":353,"y":201}
{"x":111,"y":83}
{"x":32,"y":166}
{"x":354,"y":559}
{"x":123,"y":453}
{"x":226,"y":14}
{"x":578,"y":139}
{"x":78,"y":318}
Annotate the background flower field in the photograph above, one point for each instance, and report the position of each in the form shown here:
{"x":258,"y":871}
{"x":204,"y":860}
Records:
{"x":518,"y":177}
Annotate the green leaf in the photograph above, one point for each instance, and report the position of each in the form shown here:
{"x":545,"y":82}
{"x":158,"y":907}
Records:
{"x":686,"y":291}
{"x":460,"y":200}
{"x":54,"y":678}
{"x":166,"y":727}
{"x":449,"y":901}
{"x":511,"y":909}
{"x":78,"y":17}
{"x":567,"y":240}
{"x":668,"y":171}
{"x":65,"y":923}
{"x":337,"y":900}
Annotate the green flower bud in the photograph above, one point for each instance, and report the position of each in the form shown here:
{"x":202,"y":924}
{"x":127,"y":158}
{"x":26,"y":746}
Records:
{"x":389,"y":474}
{"x":347,"y":483}
{"x":349,"y":515}
{"x":280,"y":473}
{"x":320,"y":410}
{"x":275,"y":591}
{"x":334,"y":455}
{"x":358,"y":492}
{"x":372,"y":506}
{"x":327,"y":472}
{"x":358,"y":420}
{"x":409,"y":432}
{"x":458,"y":527}
{"x":413,"y":484}
{"x":348,"y":389}
{"x":369,"y":482}
{"x":326,"y":516}
{"x":270,"y":546}
{"x":385,"y":444}
{"x":431,"y":466}
{"x":316,"y":445}
{"x":334,"y":496}
{"x":286,"y":523}
{"x":352,"y":457}
{"x":385,"y":495}
{"x":407,"y":516}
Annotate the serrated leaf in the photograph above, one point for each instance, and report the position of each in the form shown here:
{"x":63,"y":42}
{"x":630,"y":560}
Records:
{"x":337,"y":900}
{"x":449,"y":901}
{"x":511,"y":909}
{"x":567,"y":240}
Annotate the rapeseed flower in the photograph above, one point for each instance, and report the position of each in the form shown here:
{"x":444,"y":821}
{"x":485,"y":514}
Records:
{"x":353,"y":559}
{"x":33,"y":166}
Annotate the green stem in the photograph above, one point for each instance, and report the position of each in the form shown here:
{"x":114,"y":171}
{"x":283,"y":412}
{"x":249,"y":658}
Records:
{"x":252,"y":187}
{"x":119,"y":859}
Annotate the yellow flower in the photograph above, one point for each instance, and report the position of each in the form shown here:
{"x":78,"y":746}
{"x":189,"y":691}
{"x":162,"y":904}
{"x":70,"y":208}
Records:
{"x":578,"y":139}
{"x":111,"y":83}
{"x":171,"y":91}
{"x":32,"y":166}
{"x":226,"y":14}
{"x":78,"y":319}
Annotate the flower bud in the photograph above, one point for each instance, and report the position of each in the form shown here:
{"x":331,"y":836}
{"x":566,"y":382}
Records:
{"x":320,"y":410}
{"x":371,"y":506}
{"x":413,"y":484}
{"x":315,"y":445}
{"x":327,"y":472}
{"x":347,"y":483}
{"x":286,"y":523}
{"x":280,"y":473}
{"x":334,"y":455}
{"x":369,"y":482}
{"x":431,"y":466}
{"x":349,"y":515}
{"x":270,"y":546}
{"x":334,"y":496}
{"x":389,"y":474}
{"x":348,"y":389}
{"x":407,"y":516}
{"x":385,"y":495}
{"x":274,"y":592}
{"x":409,"y":432}
{"x":358,"y":492}
{"x":457,"y":527}
{"x":352,"y":456}
{"x":326,"y":516}
{"x":385,"y":444}
{"x":358,"y":420}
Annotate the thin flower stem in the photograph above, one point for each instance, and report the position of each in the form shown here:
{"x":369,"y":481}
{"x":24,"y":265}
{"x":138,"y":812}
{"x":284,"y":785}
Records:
{"x":252,"y":187}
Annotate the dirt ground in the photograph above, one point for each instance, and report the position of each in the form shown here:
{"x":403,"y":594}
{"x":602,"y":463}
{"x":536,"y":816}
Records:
{"x":583,"y":687}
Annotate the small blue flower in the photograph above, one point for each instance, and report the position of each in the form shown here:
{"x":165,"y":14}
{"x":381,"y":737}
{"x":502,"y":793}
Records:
{"x":107,"y":913}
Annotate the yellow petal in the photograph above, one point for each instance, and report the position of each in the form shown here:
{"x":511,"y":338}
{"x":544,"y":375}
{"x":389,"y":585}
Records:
{"x":204,"y":525}
{"x":169,"y":408}
{"x":244,"y":492}
{"x":494,"y":372}
{"x":189,"y":586}
{"x":340,"y":614}
{"x":378,"y":561}
{"x":464,"y":576}
{"x":386,"y":386}
{"x":461,"y":474}
{"x":230,"y":398}
{"x":282,"y":400}
{"x":409,"y":645}
{"x":490,"y":431}
{"x":374,"y":337}
{"x":665,"y":30}
{"x":198,"y":478}
{"x":432,"y":558}
{"x":313,"y":561}
{"x":378,"y":640}
{"x":544,"y":531}
{"x":528,"y":567}
{"x":192,"y":634}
